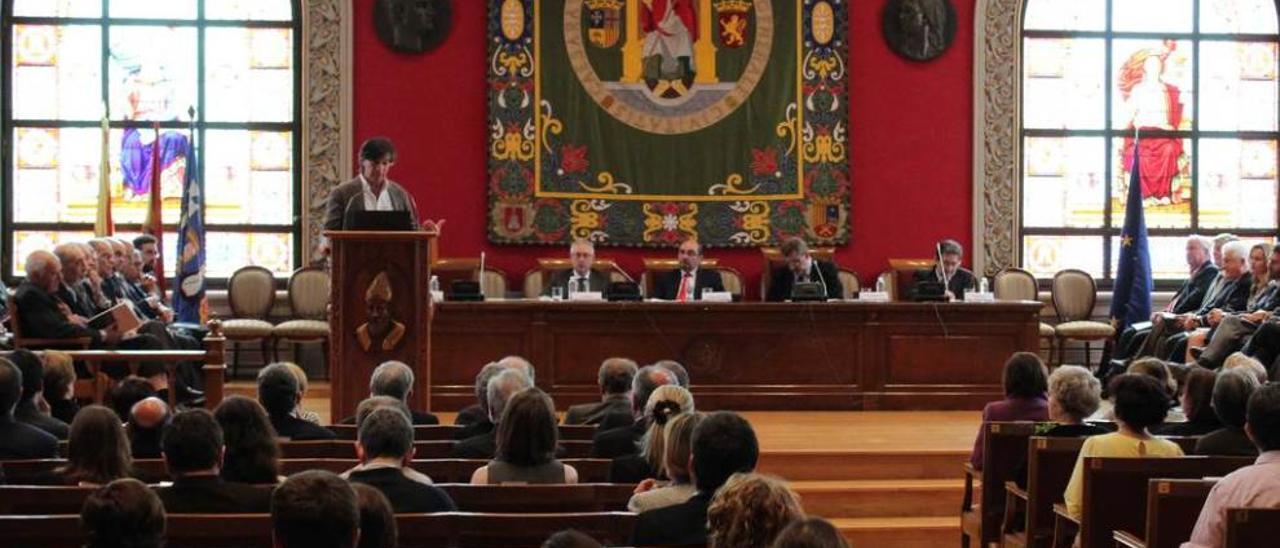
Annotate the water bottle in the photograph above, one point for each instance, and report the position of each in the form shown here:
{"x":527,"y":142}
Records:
{"x":435,"y":283}
{"x":880,"y":285}
{"x":982,"y":285}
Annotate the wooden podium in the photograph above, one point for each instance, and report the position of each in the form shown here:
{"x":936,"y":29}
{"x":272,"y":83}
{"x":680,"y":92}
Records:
{"x":380,"y":310}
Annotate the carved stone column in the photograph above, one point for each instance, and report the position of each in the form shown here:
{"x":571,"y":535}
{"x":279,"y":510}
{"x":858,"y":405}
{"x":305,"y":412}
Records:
{"x":326,"y":110}
{"x":997,"y":98}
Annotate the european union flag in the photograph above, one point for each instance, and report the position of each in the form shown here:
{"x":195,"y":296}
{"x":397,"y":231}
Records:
{"x":1131,"y":301}
{"x":189,"y":303}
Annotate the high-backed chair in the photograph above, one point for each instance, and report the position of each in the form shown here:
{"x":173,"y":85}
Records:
{"x":493,"y":284}
{"x":1016,"y":284}
{"x":309,"y":303}
{"x":250,"y":292}
{"x":655,"y":267}
{"x":1074,"y":295}
{"x":774,"y":260}
{"x":849,"y":281}
{"x":535,"y":279}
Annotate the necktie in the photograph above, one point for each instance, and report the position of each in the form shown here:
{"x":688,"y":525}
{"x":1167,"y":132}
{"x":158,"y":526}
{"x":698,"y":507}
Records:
{"x":582,"y":284}
{"x":685,"y":283}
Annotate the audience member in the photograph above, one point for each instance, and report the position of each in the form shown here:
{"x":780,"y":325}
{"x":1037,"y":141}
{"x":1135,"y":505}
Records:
{"x":315,"y":509}
{"x":98,"y":451}
{"x":682,"y":374}
{"x":147,"y":420}
{"x":278,"y":392}
{"x":520,"y":364}
{"x":623,"y":440}
{"x":28,"y":409}
{"x":1254,"y":366}
{"x":1196,"y":398}
{"x":377,"y":520}
{"x":526,"y":444}
{"x":812,"y":532}
{"x":571,"y":538}
{"x":123,"y":514}
{"x":750,"y":510}
{"x":369,"y":404}
{"x":19,"y":440}
{"x":193,"y":451}
{"x":614,"y":380}
{"x":252,"y":454}
{"x":501,"y":388}
{"x":1230,"y":400}
{"x":474,"y":419}
{"x":1140,"y":403}
{"x":1255,"y":486}
{"x":298,"y":410}
{"x":1074,"y":395}
{"x":129,"y":391}
{"x":395,"y":379}
{"x":665,"y":402}
{"x":1024,"y":398}
{"x":385,"y":448}
{"x":723,"y":444}
{"x":59,"y":385}
{"x":652,"y":494}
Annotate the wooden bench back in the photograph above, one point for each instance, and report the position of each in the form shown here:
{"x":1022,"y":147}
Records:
{"x":439,"y":449}
{"x":1115,"y":490}
{"x":1004,"y":452}
{"x":1049,"y":465}
{"x":1173,"y":506}
{"x":445,"y":432}
{"x":1252,"y":527}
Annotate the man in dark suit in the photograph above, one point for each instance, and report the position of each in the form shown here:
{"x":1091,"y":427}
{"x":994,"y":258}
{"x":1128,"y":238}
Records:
{"x":193,"y":449}
{"x":723,"y":444}
{"x":802,"y":268}
{"x":315,"y":508}
{"x":19,"y":440}
{"x":145,"y":427}
{"x":689,"y":281}
{"x":278,"y":393}
{"x":1190,"y":296}
{"x":959,"y":279}
{"x":385,"y":448}
{"x":615,"y":377}
{"x":474,"y":418}
{"x":582,"y":255}
{"x":1233,"y":329}
{"x":623,"y":440}
{"x":395,"y":379}
{"x":43,"y":315}
{"x":500,"y":389}
{"x":33,"y":385}
{"x":1228,"y":293}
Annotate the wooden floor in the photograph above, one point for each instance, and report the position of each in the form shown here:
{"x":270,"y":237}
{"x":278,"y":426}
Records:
{"x":885,"y":478}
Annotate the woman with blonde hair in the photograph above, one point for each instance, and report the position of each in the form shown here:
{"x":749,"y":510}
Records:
{"x":309,"y":416}
{"x":59,"y":385}
{"x":652,"y":494}
{"x":750,"y":510}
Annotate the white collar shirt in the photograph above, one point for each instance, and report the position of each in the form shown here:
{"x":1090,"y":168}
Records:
{"x":381,"y":202}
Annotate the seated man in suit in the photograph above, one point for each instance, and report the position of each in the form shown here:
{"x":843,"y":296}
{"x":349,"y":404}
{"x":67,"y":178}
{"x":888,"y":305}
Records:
{"x":1233,"y":329}
{"x":45,"y":315}
{"x":802,"y":268}
{"x":385,"y":447}
{"x":959,"y":279}
{"x":278,"y":393}
{"x":146,"y":245}
{"x":582,"y":255}
{"x":500,"y":389}
{"x":315,"y":508}
{"x":623,"y":440}
{"x":475,"y":417}
{"x":28,"y":411}
{"x":614,"y":379}
{"x":19,"y":440}
{"x":687,"y":282}
{"x":193,"y":450}
{"x":723,"y":444}
{"x":133,"y":285}
{"x":1228,"y":293}
{"x":1189,"y":297}
{"x":147,"y":420}
{"x":395,"y":379}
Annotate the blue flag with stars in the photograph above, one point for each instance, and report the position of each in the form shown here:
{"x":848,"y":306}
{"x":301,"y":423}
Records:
{"x":189,"y":302}
{"x":1131,"y":301}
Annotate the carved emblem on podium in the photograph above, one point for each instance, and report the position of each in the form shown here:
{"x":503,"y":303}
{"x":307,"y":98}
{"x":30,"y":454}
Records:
{"x":380,"y":332}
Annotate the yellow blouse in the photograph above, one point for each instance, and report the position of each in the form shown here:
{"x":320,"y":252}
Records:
{"x":1113,"y":445}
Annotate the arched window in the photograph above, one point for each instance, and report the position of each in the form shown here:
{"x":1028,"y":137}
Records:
{"x":146,"y":66}
{"x":1197,"y":78}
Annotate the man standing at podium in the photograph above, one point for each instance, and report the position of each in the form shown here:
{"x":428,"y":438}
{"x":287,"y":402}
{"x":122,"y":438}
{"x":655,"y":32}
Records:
{"x":371,"y":190}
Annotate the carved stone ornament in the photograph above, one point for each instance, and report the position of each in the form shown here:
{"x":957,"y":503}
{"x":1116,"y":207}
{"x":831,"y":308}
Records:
{"x":412,"y":26}
{"x":919,"y":30}
{"x":997,"y":84}
{"x":326,"y":110}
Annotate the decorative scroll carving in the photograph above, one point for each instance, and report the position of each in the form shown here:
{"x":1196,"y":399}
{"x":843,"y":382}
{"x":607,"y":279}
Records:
{"x":998,"y":95}
{"x":326,"y":111}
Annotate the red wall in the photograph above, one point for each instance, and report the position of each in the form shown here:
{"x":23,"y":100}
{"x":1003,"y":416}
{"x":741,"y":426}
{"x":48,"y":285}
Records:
{"x":910,"y":141}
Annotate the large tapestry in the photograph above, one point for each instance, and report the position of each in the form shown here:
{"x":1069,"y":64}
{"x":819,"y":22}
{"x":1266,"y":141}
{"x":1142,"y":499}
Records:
{"x":642,"y":122}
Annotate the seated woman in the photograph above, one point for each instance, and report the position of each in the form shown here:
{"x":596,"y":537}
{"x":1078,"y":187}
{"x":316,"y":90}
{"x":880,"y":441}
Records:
{"x":1197,"y":393}
{"x":1140,"y":403}
{"x":1074,"y":394}
{"x":299,"y":411}
{"x":751,"y":510}
{"x":665,"y":402}
{"x":252,"y":454}
{"x":1024,"y":398}
{"x":97,"y":449}
{"x":526,"y":444}
{"x":1230,"y":400}
{"x":652,"y":494}
{"x":59,"y":385}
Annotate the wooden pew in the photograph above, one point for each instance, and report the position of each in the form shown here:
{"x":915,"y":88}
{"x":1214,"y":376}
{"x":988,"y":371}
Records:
{"x":1186,"y":443}
{"x":1115,"y":494}
{"x":1004,"y":451}
{"x":414,"y":530}
{"x":442,"y":432}
{"x":346,"y":449}
{"x":1173,"y":506}
{"x":1252,"y":527}
{"x":1049,"y":464}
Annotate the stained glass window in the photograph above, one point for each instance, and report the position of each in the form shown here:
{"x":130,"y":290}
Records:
{"x":165,"y":74}
{"x":1195,"y":80}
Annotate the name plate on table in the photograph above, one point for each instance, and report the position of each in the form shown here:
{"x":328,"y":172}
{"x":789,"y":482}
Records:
{"x":717,"y":297}
{"x":437,"y":296}
{"x":587,"y":296}
{"x":874,"y":296}
{"x":979,"y":297}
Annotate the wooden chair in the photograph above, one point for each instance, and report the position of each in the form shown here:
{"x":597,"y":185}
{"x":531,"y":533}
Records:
{"x":523,"y":499}
{"x":1115,"y":494}
{"x":849,"y":282}
{"x":1173,"y":506}
{"x":493,"y":282}
{"x":1252,"y":527}
{"x":251,"y":292}
{"x":536,"y":279}
{"x":774,"y":260}
{"x":93,"y":387}
{"x":1004,"y":449}
{"x":309,"y":304}
{"x":1074,"y":295}
{"x":1049,"y":465}
{"x":656,"y":266}
{"x":1016,"y":284}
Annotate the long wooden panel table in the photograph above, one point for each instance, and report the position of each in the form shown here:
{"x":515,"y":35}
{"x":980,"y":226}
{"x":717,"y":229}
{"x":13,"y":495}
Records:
{"x":747,"y":356}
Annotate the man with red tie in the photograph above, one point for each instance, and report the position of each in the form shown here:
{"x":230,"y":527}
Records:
{"x":687,"y":283}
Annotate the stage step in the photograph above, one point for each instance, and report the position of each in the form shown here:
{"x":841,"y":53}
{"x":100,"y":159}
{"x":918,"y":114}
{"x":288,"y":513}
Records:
{"x":914,"y":532}
{"x":863,"y":465}
{"x":881,"y":498}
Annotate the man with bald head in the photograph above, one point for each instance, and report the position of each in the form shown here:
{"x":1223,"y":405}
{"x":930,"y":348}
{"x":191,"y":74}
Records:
{"x":624,"y":440}
{"x":581,"y":277}
{"x":147,"y":419}
{"x":73,"y":285}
